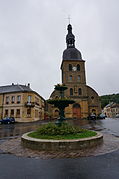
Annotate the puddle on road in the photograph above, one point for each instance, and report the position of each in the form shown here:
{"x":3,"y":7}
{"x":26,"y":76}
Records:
{"x":109,"y":126}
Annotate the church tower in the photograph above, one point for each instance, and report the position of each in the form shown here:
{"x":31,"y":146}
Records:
{"x":73,"y":68}
{"x":73,"y":76}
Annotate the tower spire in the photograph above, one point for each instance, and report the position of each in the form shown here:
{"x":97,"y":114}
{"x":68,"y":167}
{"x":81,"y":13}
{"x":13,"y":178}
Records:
{"x":70,"y":38}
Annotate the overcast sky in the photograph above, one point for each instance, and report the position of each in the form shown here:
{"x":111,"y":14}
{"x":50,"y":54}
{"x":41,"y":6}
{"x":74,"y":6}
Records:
{"x":32,"y":40}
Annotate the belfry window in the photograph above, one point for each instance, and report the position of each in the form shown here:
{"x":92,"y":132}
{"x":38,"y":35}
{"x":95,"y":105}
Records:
{"x":78,"y":67}
{"x":70,"y":67}
{"x":79,"y":91}
{"x":71,"y":92}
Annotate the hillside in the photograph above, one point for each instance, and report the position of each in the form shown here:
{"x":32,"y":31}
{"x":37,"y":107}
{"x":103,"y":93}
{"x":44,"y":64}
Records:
{"x":106,"y":99}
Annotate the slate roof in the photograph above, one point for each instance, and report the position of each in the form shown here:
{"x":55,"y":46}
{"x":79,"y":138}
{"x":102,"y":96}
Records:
{"x":72,"y":54}
{"x":14,"y":88}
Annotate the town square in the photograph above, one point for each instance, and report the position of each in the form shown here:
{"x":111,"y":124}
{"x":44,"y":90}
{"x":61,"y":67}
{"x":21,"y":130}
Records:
{"x":59,"y":92}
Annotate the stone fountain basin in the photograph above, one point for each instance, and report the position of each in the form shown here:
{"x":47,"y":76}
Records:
{"x":61,"y":145}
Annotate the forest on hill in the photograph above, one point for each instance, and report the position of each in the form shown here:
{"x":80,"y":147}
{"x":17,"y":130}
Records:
{"x":106,"y":99}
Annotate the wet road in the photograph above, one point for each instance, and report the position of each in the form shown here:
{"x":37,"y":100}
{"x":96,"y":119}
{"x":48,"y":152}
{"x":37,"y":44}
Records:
{"x":102,"y":167}
{"x":12,"y":130}
{"x":108,"y":125}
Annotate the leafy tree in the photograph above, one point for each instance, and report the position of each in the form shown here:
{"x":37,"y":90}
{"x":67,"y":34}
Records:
{"x":106,"y":99}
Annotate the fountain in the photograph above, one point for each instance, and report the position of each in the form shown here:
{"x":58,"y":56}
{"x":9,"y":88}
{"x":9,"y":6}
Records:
{"x":61,"y":137}
{"x":61,"y":103}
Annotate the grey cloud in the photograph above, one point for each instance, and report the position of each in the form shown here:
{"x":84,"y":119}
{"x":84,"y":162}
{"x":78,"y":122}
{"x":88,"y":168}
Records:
{"x":32,"y":39}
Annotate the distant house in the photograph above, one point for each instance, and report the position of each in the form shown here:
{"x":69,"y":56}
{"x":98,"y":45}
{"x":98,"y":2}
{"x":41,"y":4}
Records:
{"x":21,"y":102}
{"x":111,"y":110}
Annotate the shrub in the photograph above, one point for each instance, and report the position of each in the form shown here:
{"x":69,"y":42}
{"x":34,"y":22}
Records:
{"x":52,"y":129}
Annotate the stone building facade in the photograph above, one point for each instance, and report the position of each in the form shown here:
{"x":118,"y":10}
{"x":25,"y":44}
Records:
{"x":74,"y":77}
{"x":21,"y":102}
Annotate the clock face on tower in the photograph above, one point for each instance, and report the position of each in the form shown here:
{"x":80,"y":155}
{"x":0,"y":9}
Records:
{"x":74,"y":68}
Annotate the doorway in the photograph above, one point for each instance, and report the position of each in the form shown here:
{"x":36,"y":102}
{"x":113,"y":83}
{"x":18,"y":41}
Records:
{"x":76,"y":111}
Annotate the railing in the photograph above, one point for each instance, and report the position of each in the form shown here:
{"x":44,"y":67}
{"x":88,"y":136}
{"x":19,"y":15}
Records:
{"x":30,"y":104}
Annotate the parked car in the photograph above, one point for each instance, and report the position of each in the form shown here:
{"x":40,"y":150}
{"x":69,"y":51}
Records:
{"x":101,"y":116}
{"x":7,"y":120}
{"x":117,"y":116}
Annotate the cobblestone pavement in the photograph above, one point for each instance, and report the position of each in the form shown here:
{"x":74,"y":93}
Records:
{"x":22,"y":163}
{"x":13,"y":146}
{"x":10,"y":140}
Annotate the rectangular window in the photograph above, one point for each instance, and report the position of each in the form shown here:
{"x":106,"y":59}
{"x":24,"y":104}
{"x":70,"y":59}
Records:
{"x":6,"y":112}
{"x":29,"y":112}
{"x":36,"y":113}
{"x":18,"y":113}
{"x":36,"y":101}
{"x":70,"y":78}
{"x":13,"y":99}
{"x":7,"y":99}
{"x":79,"y":78}
{"x":18,"y":99}
{"x":12,"y":113}
{"x":29,"y":99}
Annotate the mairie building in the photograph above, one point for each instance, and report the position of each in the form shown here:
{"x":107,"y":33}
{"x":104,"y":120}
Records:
{"x":21,"y":102}
{"x":74,"y":77}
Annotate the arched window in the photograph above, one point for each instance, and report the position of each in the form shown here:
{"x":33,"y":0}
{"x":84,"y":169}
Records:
{"x":78,"y":78}
{"x":92,"y":97}
{"x":78,"y":67}
{"x":70,"y":67}
{"x":79,"y":91}
{"x":93,"y":111}
{"x":70,"y":78}
{"x":71,"y":92}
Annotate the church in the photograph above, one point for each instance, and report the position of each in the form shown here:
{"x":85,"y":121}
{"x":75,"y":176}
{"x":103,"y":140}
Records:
{"x":74,"y":77}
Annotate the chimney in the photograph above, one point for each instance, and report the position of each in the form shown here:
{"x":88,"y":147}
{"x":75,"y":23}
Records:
{"x":29,"y":85}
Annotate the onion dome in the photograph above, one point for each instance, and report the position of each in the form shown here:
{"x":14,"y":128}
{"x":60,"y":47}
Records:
{"x":71,"y":53}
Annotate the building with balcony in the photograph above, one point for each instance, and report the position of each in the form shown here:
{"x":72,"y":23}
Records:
{"x":21,"y":102}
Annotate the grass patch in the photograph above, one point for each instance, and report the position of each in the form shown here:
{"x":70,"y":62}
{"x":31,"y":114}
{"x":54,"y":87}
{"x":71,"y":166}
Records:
{"x":65,"y":131}
{"x":60,"y":137}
